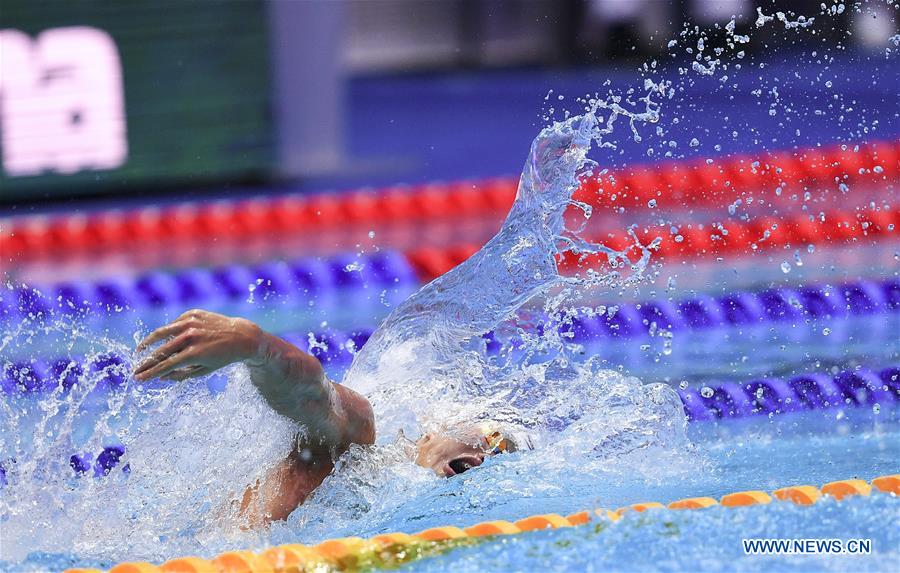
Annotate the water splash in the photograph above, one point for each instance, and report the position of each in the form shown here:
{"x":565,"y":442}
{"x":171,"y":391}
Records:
{"x":181,"y":451}
{"x":426,"y":368}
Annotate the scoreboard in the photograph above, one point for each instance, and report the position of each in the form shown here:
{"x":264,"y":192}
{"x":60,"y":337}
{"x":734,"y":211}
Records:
{"x":117,"y":95}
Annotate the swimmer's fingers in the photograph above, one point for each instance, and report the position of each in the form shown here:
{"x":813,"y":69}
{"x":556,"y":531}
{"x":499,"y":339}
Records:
{"x":173,"y":362}
{"x":162,"y":333}
{"x":194,"y":313}
{"x":170,"y":348}
{"x":189,"y":372}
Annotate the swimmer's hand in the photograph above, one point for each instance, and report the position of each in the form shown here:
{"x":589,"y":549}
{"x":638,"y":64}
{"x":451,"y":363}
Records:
{"x":197,"y":343}
{"x":292,"y":382}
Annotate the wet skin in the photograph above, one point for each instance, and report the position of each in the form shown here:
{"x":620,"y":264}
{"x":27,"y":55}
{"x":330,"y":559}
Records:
{"x":448,"y":456}
{"x":294,"y":385}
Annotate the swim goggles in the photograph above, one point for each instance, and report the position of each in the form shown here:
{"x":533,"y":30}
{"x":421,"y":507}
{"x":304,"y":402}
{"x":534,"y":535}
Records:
{"x":495,"y":443}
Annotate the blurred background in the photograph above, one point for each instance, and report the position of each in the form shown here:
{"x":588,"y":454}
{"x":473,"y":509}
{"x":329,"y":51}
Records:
{"x":145,"y":99}
{"x":158,"y":155}
{"x":310,"y":164}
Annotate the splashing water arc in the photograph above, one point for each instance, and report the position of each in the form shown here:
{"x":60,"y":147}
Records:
{"x":419,"y":369}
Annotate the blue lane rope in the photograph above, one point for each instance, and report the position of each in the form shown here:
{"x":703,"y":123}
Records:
{"x":744,"y":308}
{"x":728,"y":401}
{"x":185,"y":288}
{"x":817,"y":391}
{"x":336,"y":348}
{"x":314,"y":278}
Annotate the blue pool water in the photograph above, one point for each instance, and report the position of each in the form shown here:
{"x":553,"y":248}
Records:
{"x":806,"y":449}
{"x":606,"y":422}
{"x":629,"y":441}
{"x":711,"y":540}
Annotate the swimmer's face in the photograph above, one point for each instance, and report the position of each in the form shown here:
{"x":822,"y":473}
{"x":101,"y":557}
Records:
{"x":447,"y":456}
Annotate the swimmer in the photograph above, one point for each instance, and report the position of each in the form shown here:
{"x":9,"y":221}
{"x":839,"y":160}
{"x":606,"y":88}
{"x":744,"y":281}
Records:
{"x":293,"y":383}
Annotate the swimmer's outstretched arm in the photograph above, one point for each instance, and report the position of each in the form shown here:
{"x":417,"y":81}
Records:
{"x":292,"y":382}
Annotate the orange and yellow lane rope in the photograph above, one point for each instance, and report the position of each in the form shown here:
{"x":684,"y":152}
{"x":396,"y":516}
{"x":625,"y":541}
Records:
{"x":392,"y":549}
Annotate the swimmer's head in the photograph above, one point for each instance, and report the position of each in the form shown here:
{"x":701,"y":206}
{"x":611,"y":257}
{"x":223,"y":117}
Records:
{"x":458,"y":450}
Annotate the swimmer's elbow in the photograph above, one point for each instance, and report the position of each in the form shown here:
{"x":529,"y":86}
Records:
{"x":359,"y":418}
{"x":367,"y":433}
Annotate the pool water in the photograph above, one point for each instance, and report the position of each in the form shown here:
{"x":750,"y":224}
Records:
{"x":193,"y":446}
{"x":811,"y":448}
{"x":603,"y":414}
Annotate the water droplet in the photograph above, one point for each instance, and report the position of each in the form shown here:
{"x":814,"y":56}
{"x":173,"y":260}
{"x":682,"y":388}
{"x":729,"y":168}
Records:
{"x":679,"y":238}
{"x":371,"y":234}
{"x":785,"y":267}
{"x":760,"y":393}
{"x":706,"y":392}
{"x":683,"y":384}
{"x":876,"y":408}
{"x":651,"y":203}
{"x":826,"y":331}
{"x":878,"y":169}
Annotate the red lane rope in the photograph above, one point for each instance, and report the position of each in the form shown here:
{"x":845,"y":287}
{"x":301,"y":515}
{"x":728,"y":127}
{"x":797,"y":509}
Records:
{"x":697,"y":183}
{"x":682,"y":183}
{"x":732,"y":238}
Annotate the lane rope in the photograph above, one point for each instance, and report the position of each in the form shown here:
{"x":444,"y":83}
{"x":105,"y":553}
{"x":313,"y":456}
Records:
{"x":304,"y":278}
{"x":689,"y":183}
{"x":732,"y":238}
{"x":323,"y":278}
{"x":337,"y":348}
{"x":714,"y":403}
{"x":390,"y":550}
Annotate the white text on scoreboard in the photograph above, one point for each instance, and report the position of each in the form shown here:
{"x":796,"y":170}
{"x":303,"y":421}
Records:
{"x":62,"y":103}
